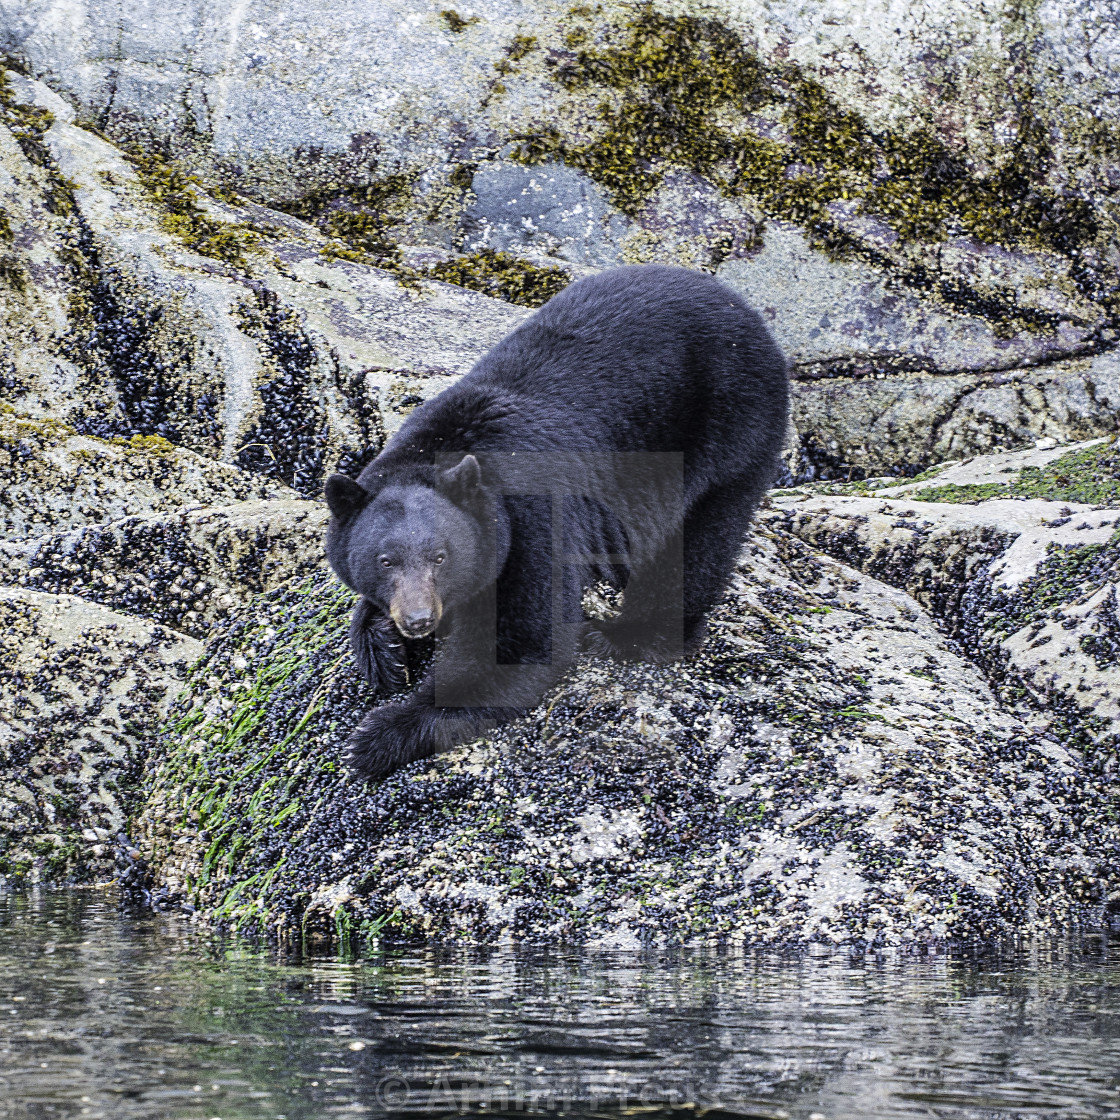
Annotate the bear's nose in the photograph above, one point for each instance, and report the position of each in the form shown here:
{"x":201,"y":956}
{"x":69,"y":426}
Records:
{"x":419,"y":622}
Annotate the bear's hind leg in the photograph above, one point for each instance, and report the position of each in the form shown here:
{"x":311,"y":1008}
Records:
{"x":666,"y":602}
{"x":714,"y":532}
{"x":650,"y":625}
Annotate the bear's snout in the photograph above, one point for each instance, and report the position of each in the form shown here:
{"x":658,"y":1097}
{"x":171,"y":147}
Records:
{"x":416,"y":608}
{"x":418,"y":624}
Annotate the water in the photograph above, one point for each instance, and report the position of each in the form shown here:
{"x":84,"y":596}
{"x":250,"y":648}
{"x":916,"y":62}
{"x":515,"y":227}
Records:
{"x":104,"y":1014}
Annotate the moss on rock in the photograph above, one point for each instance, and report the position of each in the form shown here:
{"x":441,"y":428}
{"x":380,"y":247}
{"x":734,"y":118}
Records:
{"x":1090,"y":476}
{"x":503,"y":276}
{"x":173,"y":191}
{"x":686,"y":91}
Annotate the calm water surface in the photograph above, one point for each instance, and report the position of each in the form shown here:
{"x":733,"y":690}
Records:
{"x":104,"y":1014}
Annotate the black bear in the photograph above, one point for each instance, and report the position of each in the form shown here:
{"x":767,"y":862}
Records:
{"x":626,"y":431}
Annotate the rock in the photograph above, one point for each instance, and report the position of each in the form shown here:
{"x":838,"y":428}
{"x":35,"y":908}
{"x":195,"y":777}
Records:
{"x":851,"y":428}
{"x":222,"y":356}
{"x":52,"y":478}
{"x":931,"y":212}
{"x":551,"y":208}
{"x":403,"y":345}
{"x":37,"y":247}
{"x":186,"y":570}
{"x":220,"y":250}
{"x":1028,"y":585}
{"x":827,"y":769}
{"x":80,"y":687}
{"x":990,"y":475}
{"x":195,"y":353}
{"x":277,"y":361}
{"x":849,"y":320}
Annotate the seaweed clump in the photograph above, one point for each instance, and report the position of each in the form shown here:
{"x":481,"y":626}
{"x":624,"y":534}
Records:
{"x":456,"y":22}
{"x":173,"y":191}
{"x":357,"y":219}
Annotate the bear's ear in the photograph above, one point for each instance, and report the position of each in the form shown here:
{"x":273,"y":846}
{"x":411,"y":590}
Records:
{"x":463,"y":479}
{"x":344,"y":496}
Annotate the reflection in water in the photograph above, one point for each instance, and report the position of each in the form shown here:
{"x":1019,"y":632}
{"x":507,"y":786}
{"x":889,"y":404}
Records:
{"x":118,"y":1016}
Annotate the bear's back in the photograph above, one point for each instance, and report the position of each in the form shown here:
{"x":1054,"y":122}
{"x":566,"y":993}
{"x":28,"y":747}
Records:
{"x":641,"y":358}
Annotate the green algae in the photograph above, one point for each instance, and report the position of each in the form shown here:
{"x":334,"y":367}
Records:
{"x":223,"y":762}
{"x":956,"y":494}
{"x":1090,"y":476}
{"x":685,"y":91}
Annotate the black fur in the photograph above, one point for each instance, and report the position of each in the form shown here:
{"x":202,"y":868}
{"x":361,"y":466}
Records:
{"x":642,"y":359}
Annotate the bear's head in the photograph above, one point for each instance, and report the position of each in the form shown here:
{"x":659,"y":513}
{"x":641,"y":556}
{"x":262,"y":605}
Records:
{"x":415,"y":547}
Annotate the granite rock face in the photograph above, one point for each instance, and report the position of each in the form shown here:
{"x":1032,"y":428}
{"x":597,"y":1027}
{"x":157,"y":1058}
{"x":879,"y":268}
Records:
{"x":924,"y":197}
{"x":54,"y":479}
{"x":853,"y":428}
{"x":269,"y":356}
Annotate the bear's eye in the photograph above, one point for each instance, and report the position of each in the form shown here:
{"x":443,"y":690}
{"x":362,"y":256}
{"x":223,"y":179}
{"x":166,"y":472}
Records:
{"x":386,"y":562}
{"x":440,"y":557}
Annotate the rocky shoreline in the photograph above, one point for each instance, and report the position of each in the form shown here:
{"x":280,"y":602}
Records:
{"x":904,"y":728}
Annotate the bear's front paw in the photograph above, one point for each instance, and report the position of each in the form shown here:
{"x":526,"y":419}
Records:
{"x":386,"y":739}
{"x":378,"y":648}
